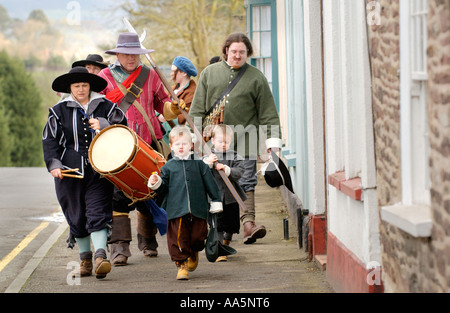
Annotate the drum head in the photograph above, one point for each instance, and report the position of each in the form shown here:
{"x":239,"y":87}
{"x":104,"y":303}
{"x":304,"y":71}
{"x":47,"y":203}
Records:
{"x":112,"y":149}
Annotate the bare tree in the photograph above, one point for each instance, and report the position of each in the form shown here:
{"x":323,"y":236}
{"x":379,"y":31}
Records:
{"x":195,"y":28}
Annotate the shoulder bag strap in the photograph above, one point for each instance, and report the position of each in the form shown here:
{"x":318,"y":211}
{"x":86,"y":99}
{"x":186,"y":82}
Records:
{"x":138,"y":106}
{"x":135,"y":89}
{"x":230,"y":87}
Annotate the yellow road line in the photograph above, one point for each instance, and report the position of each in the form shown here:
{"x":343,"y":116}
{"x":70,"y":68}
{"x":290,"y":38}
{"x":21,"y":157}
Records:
{"x":22,"y":245}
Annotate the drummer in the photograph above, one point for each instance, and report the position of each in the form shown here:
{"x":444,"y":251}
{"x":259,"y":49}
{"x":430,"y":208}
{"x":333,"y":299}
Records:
{"x":84,"y":196}
{"x":129,"y":71}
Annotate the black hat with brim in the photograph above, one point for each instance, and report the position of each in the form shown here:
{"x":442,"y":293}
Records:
{"x":93,"y":59}
{"x":213,"y":247}
{"x":78,"y":75}
{"x":276,"y":173}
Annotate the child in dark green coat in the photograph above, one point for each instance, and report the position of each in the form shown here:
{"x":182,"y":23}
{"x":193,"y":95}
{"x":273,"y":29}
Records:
{"x":186,"y":182}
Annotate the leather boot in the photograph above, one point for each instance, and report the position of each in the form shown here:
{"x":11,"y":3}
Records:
{"x":147,"y":230}
{"x":85,"y":265}
{"x":183,"y":272}
{"x":120,"y":240}
{"x":102,"y":266}
{"x":86,"y":268}
{"x":253,"y":232}
{"x":192,"y":262}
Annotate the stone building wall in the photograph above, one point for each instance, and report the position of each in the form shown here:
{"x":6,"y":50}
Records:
{"x":385,"y":60}
{"x":412,"y":264}
{"x":438,"y":107}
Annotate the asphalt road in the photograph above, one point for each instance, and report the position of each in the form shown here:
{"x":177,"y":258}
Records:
{"x":29,"y":214}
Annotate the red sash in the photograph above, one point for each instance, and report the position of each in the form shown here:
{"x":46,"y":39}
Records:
{"x":115,"y":95}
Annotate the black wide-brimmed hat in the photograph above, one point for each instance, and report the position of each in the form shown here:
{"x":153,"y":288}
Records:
{"x":213,"y":247}
{"x":276,"y":173}
{"x":93,"y":59}
{"x":78,"y":74}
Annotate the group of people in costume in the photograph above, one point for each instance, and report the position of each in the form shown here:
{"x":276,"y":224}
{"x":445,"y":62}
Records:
{"x":189,"y":187}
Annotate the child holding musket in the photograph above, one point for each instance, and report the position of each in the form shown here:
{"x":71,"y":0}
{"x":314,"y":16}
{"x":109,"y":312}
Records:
{"x":224,"y":159}
{"x":186,"y":182}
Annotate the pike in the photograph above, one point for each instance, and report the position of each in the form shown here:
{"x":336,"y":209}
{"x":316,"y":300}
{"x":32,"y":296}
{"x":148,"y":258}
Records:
{"x":186,"y":116}
{"x":149,"y":58}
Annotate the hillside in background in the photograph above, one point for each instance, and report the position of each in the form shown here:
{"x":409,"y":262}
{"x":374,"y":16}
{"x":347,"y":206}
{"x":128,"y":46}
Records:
{"x":48,"y":36}
{"x":67,"y":30}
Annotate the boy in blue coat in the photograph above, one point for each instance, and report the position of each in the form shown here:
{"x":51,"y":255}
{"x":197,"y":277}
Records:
{"x":186,"y":183}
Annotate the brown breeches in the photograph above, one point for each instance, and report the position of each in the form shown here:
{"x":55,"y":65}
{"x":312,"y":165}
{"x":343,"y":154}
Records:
{"x":185,"y":236}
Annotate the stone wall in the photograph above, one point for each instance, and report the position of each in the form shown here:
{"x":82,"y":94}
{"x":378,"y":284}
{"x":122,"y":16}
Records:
{"x":438,"y":106}
{"x":385,"y":60}
{"x":412,"y":264}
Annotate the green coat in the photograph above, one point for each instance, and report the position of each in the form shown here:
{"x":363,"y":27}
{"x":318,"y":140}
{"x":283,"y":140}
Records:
{"x":248,"y":106}
{"x":186,"y":185}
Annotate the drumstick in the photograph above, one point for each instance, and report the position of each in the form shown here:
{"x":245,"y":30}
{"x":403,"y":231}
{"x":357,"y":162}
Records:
{"x":72,"y":176}
{"x":71,"y":170}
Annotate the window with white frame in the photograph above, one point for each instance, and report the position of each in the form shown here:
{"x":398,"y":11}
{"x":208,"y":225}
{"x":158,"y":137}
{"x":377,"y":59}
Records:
{"x":262,"y":28}
{"x":414,"y":123}
{"x":262,"y":39}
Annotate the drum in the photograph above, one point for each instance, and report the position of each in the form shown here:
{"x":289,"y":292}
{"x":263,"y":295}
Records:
{"x":126,"y":160}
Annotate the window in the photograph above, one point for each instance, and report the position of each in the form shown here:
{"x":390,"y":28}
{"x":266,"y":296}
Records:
{"x":262,"y":28}
{"x":419,"y":12}
{"x":413,"y":215}
{"x":261,"y":36}
{"x":414,"y":121}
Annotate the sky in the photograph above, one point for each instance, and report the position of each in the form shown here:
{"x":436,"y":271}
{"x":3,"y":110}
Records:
{"x":103,"y":11}
{"x":86,"y":24}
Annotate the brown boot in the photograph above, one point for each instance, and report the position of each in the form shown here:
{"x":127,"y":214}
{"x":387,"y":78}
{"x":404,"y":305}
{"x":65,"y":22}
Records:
{"x":253,"y":232}
{"x":120,"y":240}
{"x":146,"y":232}
{"x":120,"y":260}
{"x":85,"y":265}
{"x":102,"y":265}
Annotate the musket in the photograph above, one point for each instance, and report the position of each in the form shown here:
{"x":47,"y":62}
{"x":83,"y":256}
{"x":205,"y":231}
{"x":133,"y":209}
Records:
{"x":187,"y":117}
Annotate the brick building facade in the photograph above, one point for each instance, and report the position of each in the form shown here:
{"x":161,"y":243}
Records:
{"x":364,"y":99}
{"x":411,"y":262}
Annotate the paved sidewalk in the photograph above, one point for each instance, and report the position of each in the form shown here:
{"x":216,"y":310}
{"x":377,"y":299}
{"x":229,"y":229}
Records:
{"x":271,"y":265}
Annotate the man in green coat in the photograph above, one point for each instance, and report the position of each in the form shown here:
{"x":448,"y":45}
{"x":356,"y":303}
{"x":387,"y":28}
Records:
{"x":249,"y":108}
